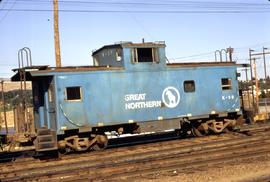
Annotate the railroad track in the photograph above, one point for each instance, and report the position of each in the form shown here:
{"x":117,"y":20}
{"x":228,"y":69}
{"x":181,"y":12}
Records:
{"x":149,"y":144}
{"x":128,"y":141}
{"x":146,"y":160}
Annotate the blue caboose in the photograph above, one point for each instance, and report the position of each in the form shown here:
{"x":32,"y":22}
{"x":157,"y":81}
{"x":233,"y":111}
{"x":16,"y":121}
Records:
{"x":132,"y":89}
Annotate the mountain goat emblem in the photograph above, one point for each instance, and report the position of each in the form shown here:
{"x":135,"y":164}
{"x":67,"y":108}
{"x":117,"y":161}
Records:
{"x":171,"y":97}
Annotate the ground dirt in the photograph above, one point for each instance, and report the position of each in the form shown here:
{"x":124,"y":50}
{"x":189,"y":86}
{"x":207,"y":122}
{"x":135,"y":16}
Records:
{"x":244,"y":172}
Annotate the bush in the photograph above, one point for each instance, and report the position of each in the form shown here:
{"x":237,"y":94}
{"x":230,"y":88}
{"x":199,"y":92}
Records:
{"x":14,"y":97}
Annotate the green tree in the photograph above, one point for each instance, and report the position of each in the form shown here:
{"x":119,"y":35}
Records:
{"x":263,"y":94}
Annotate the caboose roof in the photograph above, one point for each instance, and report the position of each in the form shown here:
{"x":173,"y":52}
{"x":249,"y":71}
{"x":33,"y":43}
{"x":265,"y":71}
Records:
{"x":44,"y":70}
{"x":130,"y":44}
{"x":47,"y":71}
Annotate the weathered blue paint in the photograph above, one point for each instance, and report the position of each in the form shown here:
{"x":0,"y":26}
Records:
{"x":105,"y":93}
{"x":41,"y":116}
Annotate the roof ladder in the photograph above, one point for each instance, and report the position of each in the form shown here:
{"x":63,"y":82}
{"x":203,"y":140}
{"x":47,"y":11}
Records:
{"x":24,"y":55}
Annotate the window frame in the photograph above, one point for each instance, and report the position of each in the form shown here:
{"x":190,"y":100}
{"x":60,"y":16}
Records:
{"x":228,"y":86}
{"x":51,"y":96}
{"x":73,"y":100}
{"x":119,"y":54}
{"x":95,"y":61}
{"x":187,"y":82}
{"x":154,"y":53}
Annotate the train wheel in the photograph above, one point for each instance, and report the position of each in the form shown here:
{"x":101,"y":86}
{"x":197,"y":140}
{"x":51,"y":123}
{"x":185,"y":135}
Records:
{"x":101,"y":142}
{"x":199,"y":131}
{"x":196,"y":132}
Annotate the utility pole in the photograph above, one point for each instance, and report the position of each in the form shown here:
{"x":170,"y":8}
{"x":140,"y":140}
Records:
{"x":246,"y":69}
{"x":4,"y":106}
{"x":257,"y":85}
{"x":265,"y":75}
{"x":251,"y":78}
{"x":56,"y":34}
{"x":259,"y":54}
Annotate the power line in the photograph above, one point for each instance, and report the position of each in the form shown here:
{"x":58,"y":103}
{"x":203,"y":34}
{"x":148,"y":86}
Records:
{"x":6,"y":65}
{"x":3,"y":5}
{"x":172,"y":7}
{"x":195,"y":55}
{"x":212,"y":52}
{"x":254,"y":45}
{"x":7,"y":11}
{"x":151,"y":3}
{"x":174,"y":4}
{"x":138,"y":11}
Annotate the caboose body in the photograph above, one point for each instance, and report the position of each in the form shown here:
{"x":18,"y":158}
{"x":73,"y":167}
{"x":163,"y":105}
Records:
{"x":131,"y":89}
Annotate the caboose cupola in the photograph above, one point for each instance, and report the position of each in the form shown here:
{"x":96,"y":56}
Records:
{"x":131,"y":55}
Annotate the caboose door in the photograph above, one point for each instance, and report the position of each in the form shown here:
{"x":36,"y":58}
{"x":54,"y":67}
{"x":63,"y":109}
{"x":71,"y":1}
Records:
{"x":51,"y":105}
{"x":44,"y":102}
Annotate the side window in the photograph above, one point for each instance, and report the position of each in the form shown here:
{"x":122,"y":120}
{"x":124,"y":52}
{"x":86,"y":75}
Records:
{"x":73,"y":93}
{"x":143,"y":55}
{"x":118,"y":54}
{"x":189,"y":86}
{"x":226,"y":84}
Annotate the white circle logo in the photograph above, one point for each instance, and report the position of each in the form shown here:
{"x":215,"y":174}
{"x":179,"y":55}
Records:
{"x":170,"y":97}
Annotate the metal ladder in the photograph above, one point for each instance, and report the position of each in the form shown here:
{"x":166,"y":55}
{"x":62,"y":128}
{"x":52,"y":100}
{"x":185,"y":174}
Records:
{"x":24,"y":55}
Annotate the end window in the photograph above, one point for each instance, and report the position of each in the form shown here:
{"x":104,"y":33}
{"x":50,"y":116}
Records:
{"x":118,"y":54}
{"x":226,"y":84}
{"x":73,"y":93}
{"x":143,"y":55}
{"x":189,"y":86}
{"x":95,"y":61}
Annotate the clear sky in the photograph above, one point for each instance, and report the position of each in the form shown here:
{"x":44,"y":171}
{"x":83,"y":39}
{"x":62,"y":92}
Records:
{"x":188,"y":28}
